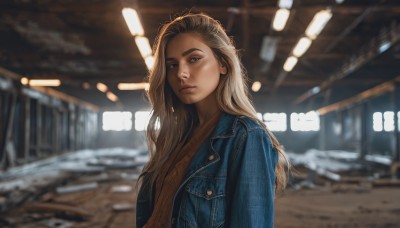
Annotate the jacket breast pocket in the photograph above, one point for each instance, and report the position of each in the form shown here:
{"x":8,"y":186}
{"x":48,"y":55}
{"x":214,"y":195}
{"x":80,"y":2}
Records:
{"x":203,"y":202}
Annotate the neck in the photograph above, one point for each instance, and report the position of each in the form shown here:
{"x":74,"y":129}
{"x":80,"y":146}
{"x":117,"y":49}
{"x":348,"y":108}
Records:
{"x":206,"y":110}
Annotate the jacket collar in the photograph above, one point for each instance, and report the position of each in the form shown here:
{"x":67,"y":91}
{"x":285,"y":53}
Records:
{"x":224,"y":129}
{"x":225,"y":126}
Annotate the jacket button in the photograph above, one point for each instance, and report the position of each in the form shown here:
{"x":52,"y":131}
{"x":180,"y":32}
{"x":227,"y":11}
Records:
{"x":211,"y":157}
{"x":209,"y":192}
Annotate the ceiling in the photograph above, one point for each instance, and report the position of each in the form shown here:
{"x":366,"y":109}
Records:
{"x":88,"y":41}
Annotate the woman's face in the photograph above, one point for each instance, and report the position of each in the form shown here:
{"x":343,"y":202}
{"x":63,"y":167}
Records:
{"x":193,"y":72}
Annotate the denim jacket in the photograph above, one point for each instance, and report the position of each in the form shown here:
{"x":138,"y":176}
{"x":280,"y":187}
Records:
{"x":229,"y":182}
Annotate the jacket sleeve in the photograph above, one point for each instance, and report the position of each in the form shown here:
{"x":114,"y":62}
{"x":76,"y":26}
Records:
{"x":251,"y":181}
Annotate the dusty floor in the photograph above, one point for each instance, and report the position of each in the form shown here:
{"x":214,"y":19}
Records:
{"x":318,"y":207}
{"x":323,"y":207}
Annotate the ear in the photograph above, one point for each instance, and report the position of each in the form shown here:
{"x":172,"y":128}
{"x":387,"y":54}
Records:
{"x":222,"y":69}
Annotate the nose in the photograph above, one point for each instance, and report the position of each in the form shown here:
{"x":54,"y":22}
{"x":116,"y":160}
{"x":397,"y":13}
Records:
{"x":183,"y":72}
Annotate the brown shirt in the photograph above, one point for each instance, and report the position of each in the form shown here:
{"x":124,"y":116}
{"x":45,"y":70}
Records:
{"x":174,"y":169}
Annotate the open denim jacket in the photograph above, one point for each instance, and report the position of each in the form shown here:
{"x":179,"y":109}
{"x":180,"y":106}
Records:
{"x":229,"y":182}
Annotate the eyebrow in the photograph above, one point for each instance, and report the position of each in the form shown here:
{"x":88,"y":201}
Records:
{"x":187,"y":52}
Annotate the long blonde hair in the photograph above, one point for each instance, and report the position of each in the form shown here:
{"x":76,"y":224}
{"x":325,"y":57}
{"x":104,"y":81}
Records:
{"x":171,"y":120}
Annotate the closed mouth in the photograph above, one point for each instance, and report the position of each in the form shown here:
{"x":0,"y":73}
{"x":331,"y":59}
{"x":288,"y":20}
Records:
{"x":186,"y":87}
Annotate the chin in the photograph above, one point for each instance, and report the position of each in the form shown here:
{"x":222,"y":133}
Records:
{"x":188,"y":101}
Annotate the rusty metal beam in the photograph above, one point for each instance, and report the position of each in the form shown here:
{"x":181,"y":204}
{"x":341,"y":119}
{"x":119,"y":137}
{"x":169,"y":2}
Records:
{"x":50,"y":92}
{"x":267,"y":10}
{"x":348,"y":29}
{"x":375,"y":91}
{"x":8,"y":74}
{"x":388,"y":36}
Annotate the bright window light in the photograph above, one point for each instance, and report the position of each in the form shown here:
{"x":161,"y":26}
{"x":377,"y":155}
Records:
{"x":388,"y":121}
{"x":377,"y":122}
{"x":304,"y":121}
{"x":384,"y":121}
{"x":259,"y":116}
{"x":141,"y":120}
{"x":275,"y":121}
{"x":280,"y":19}
{"x":117,"y":121}
{"x":398,"y":121}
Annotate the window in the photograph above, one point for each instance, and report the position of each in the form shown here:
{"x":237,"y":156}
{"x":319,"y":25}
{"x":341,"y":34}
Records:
{"x":117,"y":121}
{"x":275,"y":121}
{"x":388,"y":121}
{"x":141,"y":120}
{"x":304,"y":121}
{"x":384,"y":121}
{"x":377,"y":121}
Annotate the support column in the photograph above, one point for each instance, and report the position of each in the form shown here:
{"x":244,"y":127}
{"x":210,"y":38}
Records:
{"x":7,"y":148}
{"x":322,"y":132}
{"x":396,"y":150}
{"x":39,"y":130}
{"x":364,"y":130}
{"x":27,"y":129}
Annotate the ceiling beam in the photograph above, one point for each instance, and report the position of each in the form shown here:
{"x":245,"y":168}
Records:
{"x":389,"y":35}
{"x":268,"y":10}
{"x":375,"y":91}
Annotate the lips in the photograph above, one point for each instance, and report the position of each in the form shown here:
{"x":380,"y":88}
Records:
{"x":186,"y":88}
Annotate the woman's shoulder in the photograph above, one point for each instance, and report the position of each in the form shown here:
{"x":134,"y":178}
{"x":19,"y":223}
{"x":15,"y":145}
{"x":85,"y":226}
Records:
{"x":249,"y":124}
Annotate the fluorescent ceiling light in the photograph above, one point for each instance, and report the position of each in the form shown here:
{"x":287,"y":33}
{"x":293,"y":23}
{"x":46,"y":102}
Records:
{"x":318,"y":23}
{"x":280,"y":19}
{"x":384,"y":46}
{"x":132,"y":20}
{"x":133,"y":86}
{"x":44,"y":82}
{"x":103,"y":88}
{"x":256,"y":86}
{"x":149,"y":60}
{"x":112,"y":97}
{"x":24,"y":81}
{"x":290,"y":63}
{"x":286,"y":4}
{"x":143,"y":45}
{"x":301,"y":46}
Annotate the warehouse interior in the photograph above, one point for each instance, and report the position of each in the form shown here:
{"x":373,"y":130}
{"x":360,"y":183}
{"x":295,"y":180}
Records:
{"x":324,"y":76}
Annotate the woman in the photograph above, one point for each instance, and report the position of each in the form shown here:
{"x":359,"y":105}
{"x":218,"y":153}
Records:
{"x":213,"y":163}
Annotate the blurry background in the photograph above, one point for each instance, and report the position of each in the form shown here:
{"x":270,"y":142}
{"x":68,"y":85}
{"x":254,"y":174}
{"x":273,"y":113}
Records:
{"x":324,"y":76}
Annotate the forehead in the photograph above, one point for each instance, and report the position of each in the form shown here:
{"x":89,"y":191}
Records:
{"x":184,"y":41}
